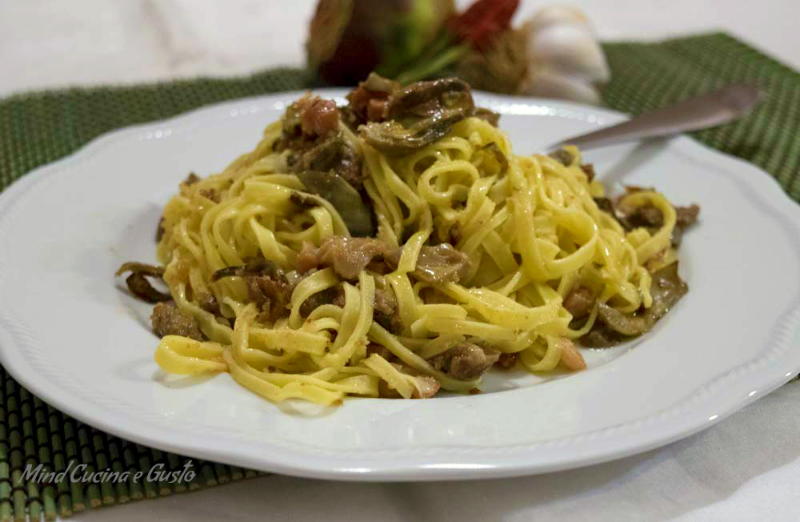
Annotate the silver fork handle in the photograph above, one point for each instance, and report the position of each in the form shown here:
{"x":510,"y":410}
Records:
{"x":707,"y":110}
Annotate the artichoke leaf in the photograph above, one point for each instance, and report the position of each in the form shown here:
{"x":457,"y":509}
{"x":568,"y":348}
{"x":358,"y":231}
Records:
{"x":391,"y":137}
{"x":343,"y":197}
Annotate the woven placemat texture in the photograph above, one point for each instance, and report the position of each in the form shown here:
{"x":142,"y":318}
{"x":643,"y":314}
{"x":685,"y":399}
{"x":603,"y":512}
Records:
{"x":648,"y":76}
{"x":39,"y":128}
{"x":36,"y":129}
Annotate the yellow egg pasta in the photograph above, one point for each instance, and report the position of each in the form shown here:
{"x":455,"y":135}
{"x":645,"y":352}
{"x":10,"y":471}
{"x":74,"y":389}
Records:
{"x":529,"y":226}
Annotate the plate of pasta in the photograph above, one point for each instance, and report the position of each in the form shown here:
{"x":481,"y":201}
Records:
{"x":397,"y":282}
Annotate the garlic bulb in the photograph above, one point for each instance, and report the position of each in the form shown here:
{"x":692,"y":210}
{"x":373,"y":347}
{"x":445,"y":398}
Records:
{"x":565,"y":58}
{"x":552,"y":84}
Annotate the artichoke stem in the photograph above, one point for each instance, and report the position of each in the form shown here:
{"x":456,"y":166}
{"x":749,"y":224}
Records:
{"x":429,"y":67}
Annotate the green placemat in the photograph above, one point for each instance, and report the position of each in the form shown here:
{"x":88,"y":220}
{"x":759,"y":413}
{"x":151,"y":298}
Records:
{"x":648,"y":76}
{"x":39,"y":128}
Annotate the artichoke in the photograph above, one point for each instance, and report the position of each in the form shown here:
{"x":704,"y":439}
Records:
{"x":348,"y":39}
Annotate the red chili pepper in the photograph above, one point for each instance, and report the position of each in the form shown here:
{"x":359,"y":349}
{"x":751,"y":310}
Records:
{"x":484,"y":20}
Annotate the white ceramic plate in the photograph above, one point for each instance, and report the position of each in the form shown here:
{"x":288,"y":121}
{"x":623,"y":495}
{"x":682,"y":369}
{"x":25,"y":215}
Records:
{"x":71,"y":335}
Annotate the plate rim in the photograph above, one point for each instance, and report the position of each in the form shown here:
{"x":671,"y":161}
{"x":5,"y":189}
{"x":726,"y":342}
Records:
{"x":771,"y":198}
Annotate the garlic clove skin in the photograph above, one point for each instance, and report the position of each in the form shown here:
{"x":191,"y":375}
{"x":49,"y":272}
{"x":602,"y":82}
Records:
{"x":565,"y":59}
{"x":554,"y":84}
{"x":569,"y":47}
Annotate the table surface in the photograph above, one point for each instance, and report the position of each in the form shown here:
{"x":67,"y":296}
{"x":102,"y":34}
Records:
{"x":745,"y":468}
